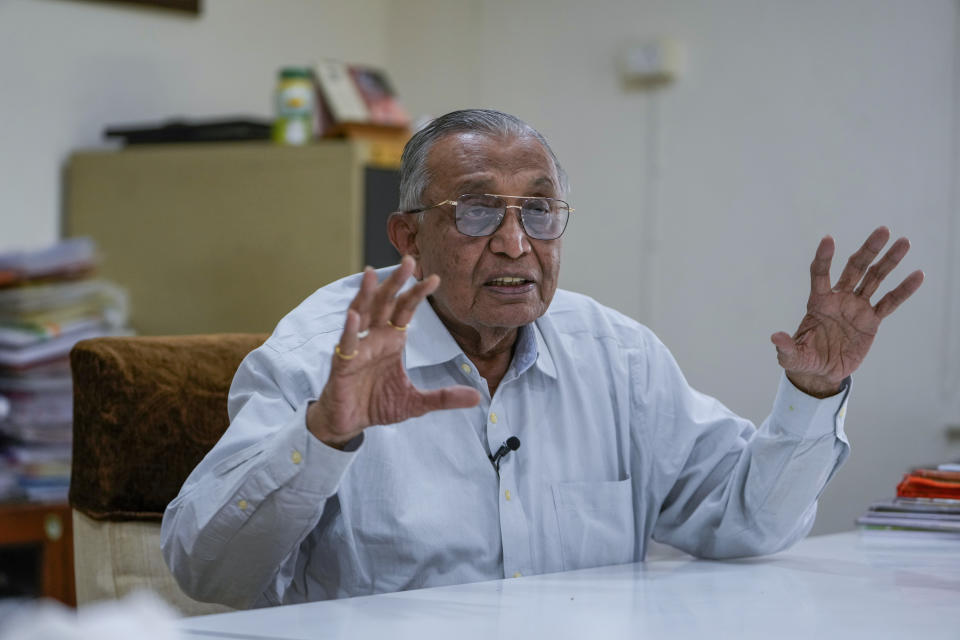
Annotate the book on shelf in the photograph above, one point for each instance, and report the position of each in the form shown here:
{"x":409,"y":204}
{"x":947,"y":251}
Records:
{"x":340,"y":95}
{"x":930,"y":483}
{"x":909,"y":516}
{"x":383,"y":106}
{"x":927,"y":500}
{"x":354,"y":94}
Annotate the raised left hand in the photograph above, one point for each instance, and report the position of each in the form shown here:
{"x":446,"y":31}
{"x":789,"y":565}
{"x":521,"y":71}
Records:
{"x":840,"y":325}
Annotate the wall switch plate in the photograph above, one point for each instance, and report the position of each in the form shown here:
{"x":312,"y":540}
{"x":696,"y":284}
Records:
{"x":649,"y":63}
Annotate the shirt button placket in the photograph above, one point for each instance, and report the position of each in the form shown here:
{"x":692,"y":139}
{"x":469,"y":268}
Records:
{"x":513,"y":520}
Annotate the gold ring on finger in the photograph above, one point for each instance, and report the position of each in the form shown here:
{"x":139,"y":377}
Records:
{"x":344,"y":356}
{"x":403,"y":328}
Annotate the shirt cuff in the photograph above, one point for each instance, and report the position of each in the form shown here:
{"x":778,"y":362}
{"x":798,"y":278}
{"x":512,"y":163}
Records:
{"x":301,"y":462}
{"x":805,"y":416}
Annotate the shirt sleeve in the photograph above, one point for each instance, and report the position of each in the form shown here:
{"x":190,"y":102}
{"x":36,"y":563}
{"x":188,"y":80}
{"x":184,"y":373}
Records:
{"x":724,"y":487}
{"x":233,"y":533}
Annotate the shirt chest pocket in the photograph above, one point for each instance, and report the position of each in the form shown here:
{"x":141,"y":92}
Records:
{"x":596,"y":523}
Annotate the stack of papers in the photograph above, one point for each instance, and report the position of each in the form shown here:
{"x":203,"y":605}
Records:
{"x":49,"y":301}
{"x":71,"y":258}
{"x":42,"y":322}
{"x":41,"y":471}
{"x":928,"y":500}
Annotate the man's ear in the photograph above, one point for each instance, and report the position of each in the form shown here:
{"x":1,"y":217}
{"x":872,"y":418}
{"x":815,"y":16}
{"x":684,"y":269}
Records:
{"x":402,"y":230}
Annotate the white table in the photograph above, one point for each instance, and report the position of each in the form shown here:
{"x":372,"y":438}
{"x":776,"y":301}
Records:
{"x":848,"y":585}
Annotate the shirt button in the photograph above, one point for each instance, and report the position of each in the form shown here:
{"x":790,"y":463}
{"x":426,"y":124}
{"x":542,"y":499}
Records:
{"x":493,"y":418}
{"x":517,"y":575}
{"x":242,"y":504}
{"x":465,"y":368}
{"x":295,"y":457}
{"x":506,"y":494}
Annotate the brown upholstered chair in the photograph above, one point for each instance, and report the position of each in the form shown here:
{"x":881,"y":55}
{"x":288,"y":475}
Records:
{"x":146,"y":410}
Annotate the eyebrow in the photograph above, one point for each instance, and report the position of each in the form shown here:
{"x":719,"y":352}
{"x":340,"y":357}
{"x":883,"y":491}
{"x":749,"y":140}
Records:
{"x":481,"y":185}
{"x":473,"y":186}
{"x":543,"y":181}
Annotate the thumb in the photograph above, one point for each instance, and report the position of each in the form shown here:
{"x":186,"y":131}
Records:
{"x":786,"y":348}
{"x":455,"y":397}
{"x":784,"y":342}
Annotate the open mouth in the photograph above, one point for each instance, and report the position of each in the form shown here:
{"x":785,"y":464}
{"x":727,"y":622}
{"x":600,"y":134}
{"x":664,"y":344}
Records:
{"x":508,"y":281}
{"x":510,"y":285}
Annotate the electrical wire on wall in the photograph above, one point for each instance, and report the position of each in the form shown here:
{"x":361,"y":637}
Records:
{"x":951,"y":325}
{"x":649,"y":260}
{"x":649,"y":67}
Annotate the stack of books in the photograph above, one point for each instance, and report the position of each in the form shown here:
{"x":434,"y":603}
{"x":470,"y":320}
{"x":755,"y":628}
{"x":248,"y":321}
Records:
{"x":49,"y":300}
{"x":928,"y":500}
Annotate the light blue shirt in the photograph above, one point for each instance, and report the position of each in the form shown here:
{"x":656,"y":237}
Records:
{"x":616,"y":448}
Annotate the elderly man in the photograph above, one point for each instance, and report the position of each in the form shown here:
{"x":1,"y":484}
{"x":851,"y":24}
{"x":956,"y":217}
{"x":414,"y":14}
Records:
{"x":367,"y":450}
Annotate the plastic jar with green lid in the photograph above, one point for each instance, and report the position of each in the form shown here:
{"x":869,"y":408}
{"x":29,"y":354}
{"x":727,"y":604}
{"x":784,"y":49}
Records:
{"x":295,"y":104}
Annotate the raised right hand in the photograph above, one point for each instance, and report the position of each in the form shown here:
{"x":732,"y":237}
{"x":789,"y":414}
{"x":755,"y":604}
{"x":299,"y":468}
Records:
{"x":368,"y":384}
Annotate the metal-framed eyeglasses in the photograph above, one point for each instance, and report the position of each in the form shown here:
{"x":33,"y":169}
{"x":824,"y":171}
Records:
{"x":481,"y":214}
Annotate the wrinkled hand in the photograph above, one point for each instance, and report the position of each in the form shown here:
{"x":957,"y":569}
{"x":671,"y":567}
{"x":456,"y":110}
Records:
{"x":368,"y":384}
{"x":840,"y":325}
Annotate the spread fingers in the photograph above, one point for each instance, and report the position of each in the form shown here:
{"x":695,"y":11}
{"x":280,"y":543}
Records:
{"x":364,"y":299}
{"x":898,"y":296}
{"x":861,"y":259}
{"x":880,"y":270}
{"x":348,"y":347}
{"x":384,"y":298}
{"x":820,"y":267}
{"x":407,"y":303}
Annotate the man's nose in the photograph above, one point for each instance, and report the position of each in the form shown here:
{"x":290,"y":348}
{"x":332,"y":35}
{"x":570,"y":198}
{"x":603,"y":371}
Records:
{"x":510,"y":238}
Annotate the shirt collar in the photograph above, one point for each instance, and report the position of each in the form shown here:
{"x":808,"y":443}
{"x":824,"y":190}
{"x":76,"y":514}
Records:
{"x":429,"y":343}
{"x":544,"y":359}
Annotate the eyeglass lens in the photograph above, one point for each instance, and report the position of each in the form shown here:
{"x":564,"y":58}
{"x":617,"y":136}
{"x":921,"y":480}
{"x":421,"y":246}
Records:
{"x":481,"y":215}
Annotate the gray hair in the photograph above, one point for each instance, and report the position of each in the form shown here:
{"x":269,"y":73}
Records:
{"x":414,"y":175}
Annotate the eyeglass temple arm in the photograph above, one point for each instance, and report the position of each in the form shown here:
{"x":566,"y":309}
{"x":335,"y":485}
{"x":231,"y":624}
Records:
{"x":422,"y":209}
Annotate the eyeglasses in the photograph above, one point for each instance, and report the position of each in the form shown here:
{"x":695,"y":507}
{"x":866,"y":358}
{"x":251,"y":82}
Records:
{"x":480,"y":215}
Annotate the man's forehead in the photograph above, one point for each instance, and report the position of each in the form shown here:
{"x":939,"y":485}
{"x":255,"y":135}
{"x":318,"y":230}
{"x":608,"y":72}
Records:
{"x":484,"y":182}
{"x":476,"y":162}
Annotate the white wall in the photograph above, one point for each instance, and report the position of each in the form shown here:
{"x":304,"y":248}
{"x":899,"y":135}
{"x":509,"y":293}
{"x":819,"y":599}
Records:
{"x":699,"y":206}
{"x":850,"y":124}
{"x":69,"y":68}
